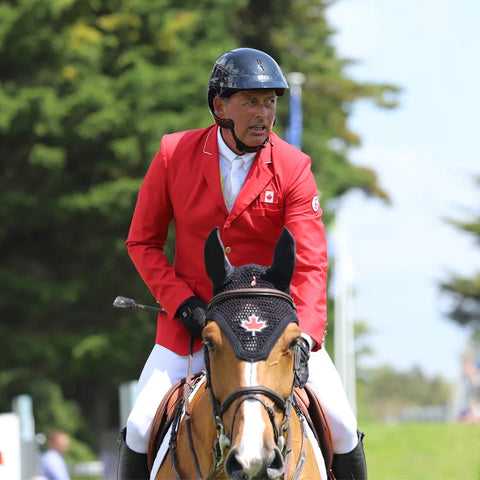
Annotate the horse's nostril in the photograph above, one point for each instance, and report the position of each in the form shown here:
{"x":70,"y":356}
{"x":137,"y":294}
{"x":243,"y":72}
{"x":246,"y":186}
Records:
{"x":233,"y":467}
{"x":273,"y":466}
{"x":276,"y":466}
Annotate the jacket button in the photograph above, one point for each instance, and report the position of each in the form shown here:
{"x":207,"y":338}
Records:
{"x":228,"y":250}
{"x":227,"y":225}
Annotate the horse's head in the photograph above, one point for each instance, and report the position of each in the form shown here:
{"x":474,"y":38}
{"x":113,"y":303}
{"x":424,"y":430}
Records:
{"x":250,"y":342}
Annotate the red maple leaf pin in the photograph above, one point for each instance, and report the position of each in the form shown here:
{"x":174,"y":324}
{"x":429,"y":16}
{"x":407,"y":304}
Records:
{"x":253,"y":324}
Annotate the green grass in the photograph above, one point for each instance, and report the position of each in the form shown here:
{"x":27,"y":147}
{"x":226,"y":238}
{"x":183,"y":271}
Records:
{"x":422,"y":451}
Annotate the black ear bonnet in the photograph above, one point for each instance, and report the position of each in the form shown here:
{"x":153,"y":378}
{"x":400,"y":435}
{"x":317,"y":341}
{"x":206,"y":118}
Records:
{"x":252,"y":320}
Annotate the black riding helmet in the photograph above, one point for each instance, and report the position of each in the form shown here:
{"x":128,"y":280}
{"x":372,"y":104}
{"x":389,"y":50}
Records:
{"x":243,"y":69}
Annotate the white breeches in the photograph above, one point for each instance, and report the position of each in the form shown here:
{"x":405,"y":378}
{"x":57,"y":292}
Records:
{"x":164,"y":368}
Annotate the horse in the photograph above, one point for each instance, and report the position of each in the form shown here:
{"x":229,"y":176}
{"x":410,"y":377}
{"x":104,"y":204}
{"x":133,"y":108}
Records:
{"x":242,"y":419}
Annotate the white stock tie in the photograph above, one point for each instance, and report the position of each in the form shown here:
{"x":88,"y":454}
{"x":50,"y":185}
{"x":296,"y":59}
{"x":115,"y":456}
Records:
{"x":233,"y":183}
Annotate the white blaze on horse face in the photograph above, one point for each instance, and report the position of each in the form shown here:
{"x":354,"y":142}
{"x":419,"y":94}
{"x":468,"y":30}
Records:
{"x":250,"y":447}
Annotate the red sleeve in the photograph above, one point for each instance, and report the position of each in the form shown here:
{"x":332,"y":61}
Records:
{"x":309,"y":283}
{"x":148,"y":234}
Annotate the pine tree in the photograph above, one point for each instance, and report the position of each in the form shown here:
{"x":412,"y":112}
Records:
{"x":465,"y":291}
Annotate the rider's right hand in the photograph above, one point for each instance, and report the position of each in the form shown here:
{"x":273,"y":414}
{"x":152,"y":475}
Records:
{"x":192,"y":313}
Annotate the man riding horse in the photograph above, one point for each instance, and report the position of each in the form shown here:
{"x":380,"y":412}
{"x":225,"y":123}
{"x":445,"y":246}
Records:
{"x":241,"y":177}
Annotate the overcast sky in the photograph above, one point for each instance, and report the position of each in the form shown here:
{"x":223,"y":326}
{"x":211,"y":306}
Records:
{"x":426,"y":156}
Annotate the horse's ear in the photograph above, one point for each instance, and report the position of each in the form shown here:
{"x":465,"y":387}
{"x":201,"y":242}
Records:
{"x":283,"y":263}
{"x":216,"y":263}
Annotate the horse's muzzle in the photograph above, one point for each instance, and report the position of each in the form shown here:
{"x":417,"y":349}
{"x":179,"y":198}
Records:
{"x":269,"y":468}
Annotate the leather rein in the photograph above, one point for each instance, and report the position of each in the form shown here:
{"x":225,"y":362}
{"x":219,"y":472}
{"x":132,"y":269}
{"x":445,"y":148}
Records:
{"x":223,"y":442}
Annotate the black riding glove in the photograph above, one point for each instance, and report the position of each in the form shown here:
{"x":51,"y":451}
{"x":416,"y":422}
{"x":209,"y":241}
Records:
{"x":192,"y":313}
{"x":301,"y":363}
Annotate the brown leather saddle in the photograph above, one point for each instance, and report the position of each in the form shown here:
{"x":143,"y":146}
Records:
{"x":306,"y":398}
{"x":318,"y":421}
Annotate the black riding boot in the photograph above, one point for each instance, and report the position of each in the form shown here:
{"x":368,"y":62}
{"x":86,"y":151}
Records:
{"x":131,"y":465}
{"x":351,"y":465}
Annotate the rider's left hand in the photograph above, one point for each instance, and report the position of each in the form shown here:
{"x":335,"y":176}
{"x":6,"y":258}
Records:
{"x":301,"y":372}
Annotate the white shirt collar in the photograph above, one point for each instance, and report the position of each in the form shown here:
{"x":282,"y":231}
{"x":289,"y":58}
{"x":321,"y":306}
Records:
{"x":228,"y":155}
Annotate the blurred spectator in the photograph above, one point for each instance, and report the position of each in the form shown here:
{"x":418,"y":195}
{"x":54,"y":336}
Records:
{"x":53,"y":463}
{"x":471,"y":373}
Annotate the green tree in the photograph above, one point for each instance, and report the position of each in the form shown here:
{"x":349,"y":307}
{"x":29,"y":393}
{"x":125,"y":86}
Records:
{"x":87,"y":89}
{"x":386,"y":391}
{"x":465,"y":291}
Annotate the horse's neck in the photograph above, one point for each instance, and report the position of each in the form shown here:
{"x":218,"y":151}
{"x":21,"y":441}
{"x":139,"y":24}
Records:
{"x":202,"y":419}
{"x":310,"y":469}
{"x":203,"y":433}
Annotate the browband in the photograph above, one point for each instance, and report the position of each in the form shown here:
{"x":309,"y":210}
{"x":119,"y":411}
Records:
{"x":251,"y":292}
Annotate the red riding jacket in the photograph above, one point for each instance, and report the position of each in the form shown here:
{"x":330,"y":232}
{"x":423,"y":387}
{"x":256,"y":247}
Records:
{"x":183,"y":184}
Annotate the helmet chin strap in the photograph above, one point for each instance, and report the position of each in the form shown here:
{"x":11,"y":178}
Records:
{"x":241,"y":147}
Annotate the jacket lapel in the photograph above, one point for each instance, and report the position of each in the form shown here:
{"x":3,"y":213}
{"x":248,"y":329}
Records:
{"x":211,"y":167}
{"x":257,"y":179}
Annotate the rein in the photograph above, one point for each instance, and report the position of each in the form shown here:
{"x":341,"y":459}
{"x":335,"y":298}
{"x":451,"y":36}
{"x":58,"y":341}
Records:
{"x":184,"y":406}
{"x":241,"y":394}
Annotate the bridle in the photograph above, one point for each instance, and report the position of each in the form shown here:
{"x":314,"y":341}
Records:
{"x":247,"y":393}
{"x":242,"y":394}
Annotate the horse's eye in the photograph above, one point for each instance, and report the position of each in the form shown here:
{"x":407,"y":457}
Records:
{"x":294,"y":343}
{"x":209,"y":344}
